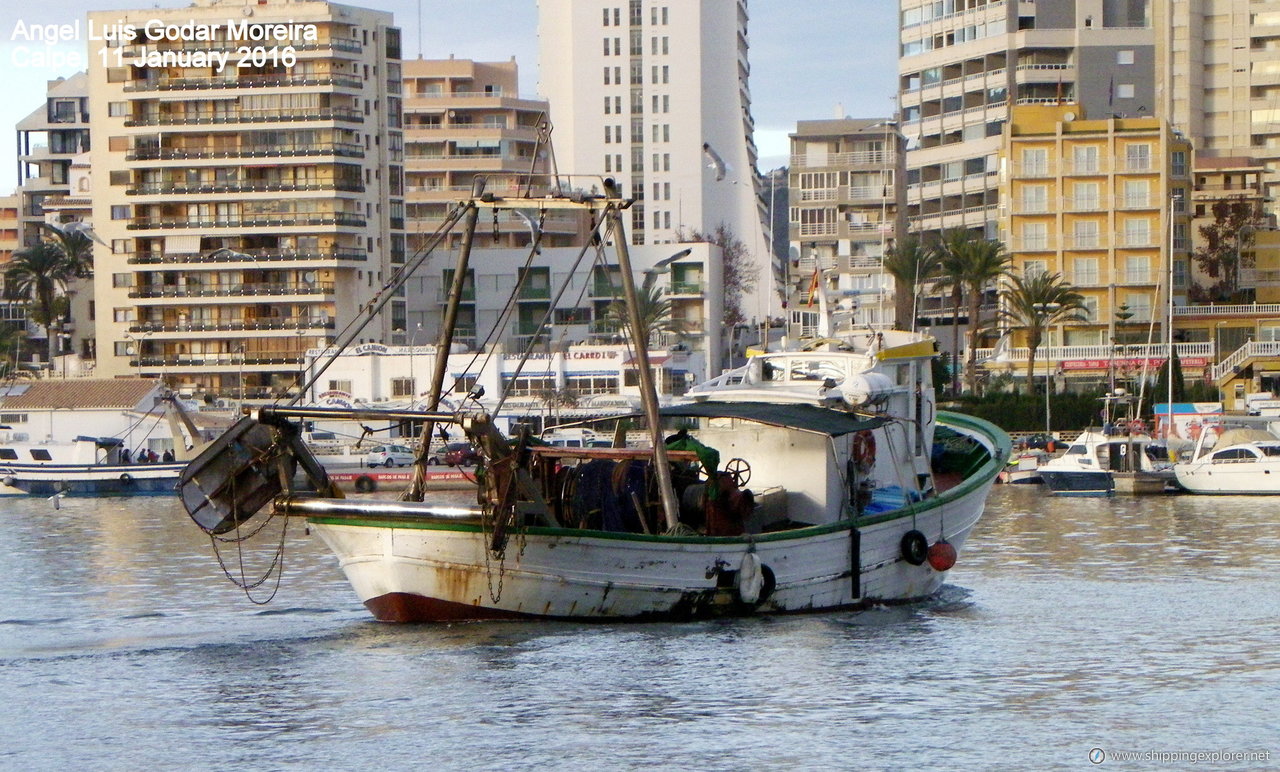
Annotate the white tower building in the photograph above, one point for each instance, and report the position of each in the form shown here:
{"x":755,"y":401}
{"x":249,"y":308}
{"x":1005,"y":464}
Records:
{"x":654,"y":93}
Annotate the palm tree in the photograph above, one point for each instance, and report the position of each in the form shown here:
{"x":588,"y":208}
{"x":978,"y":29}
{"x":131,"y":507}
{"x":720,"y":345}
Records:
{"x":1036,"y":303}
{"x":985,"y":262}
{"x":40,"y":274}
{"x":910,"y":263}
{"x":954,"y":256}
{"x":75,"y":246}
{"x":655,"y":311}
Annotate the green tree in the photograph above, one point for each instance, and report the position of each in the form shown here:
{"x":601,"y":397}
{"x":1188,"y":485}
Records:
{"x":739,"y":270}
{"x":1034,"y":304}
{"x":655,"y":312}
{"x":10,"y":343}
{"x":985,"y":263}
{"x":1227,"y":248}
{"x":75,"y":246}
{"x":911,"y":264}
{"x":40,"y":274}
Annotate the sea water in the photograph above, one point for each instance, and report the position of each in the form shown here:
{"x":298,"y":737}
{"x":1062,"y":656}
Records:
{"x":1070,"y":628}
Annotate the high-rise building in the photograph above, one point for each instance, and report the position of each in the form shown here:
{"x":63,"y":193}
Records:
{"x":964,"y":63}
{"x":654,"y":93}
{"x":1218,"y":79}
{"x":844,"y":201}
{"x":252,"y":210}
{"x":49,"y":139}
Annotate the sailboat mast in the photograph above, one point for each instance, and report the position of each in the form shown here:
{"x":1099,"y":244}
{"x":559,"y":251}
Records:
{"x":445,"y":342}
{"x":648,"y":393}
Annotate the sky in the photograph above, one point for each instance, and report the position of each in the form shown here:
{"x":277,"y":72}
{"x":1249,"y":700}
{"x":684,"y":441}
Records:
{"x":813,"y":60}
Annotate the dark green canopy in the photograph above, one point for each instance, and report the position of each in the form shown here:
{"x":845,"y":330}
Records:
{"x":808,"y":418}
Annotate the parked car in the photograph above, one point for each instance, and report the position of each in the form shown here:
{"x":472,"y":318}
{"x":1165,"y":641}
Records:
{"x":1040,"y":441}
{"x":389,"y":455}
{"x":460,"y":454}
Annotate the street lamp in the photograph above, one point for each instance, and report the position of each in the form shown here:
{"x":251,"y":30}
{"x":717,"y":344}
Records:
{"x":413,"y":382}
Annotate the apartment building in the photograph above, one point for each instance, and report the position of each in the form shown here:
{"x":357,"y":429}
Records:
{"x":12,"y":313}
{"x":655,"y":94}
{"x":465,"y":119}
{"x":964,"y":64}
{"x":252,"y":211}
{"x":49,"y":140}
{"x":690,"y":278}
{"x":844,"y":214}
{"x":1218,"y":66}
{"x":1101,"y":202}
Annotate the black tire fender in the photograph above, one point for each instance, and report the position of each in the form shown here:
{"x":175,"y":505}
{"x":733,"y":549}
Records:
{"x":915,"y":547}
{"x":366,"y":484}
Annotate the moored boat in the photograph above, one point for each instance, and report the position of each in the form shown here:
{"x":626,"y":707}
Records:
{"x":1240,"y":461}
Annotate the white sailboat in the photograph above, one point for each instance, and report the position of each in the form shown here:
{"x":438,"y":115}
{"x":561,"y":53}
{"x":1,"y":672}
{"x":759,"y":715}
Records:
{"x":818,"y":478}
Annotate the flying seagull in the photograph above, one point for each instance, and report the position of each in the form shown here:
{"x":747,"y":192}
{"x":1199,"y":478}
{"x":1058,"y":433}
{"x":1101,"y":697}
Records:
{"x":714,"y":161}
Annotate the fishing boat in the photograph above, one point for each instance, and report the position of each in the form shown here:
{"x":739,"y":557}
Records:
{"x":818,"y":477}
{"x":1119,"y":457}
{"x":1241,"y":460}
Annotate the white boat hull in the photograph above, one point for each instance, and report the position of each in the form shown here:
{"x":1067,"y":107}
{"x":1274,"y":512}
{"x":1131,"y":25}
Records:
{"x":415,"y":572}
{"x":1205,"y":477}
{"x":89,"y":479}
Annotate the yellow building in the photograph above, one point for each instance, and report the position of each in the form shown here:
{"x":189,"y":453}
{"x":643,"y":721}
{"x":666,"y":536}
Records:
{"x":1092,"y":200}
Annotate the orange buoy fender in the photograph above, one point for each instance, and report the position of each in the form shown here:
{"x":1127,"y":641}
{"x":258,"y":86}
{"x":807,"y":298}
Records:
{"x":942,"y":556}
{"x":914,"y":547}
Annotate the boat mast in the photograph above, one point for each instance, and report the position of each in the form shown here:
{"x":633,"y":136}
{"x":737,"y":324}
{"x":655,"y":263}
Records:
{"x":648,"y":393}
{"x":445,"y":342}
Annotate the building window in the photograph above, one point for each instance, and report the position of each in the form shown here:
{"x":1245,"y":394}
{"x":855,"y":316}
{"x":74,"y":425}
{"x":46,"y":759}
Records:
{"x":403,"y":387}
{"x":1085,"y":272}
{"x":120,"y":212}
{"x":1178,"y":163}
{"x":1124,"y":91}
{"x":1086,"y":196}
{"x":1035,"y":235}
{"x":1124,"y":57}
{"x":117,"y":109}
{"x":342,"y":385}
{"x":606,"y":77}
{"x":1035,"y":199}
{"x":1137,"y":158}
{"x":1033,"y":268}
{"x":1137,"y":233}
{"x":1085,"y":233}
{"x":1084,"y":159}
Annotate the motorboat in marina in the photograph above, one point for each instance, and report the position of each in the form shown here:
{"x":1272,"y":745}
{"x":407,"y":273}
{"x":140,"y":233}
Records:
{"x":1242,"y":460}
{"x":1100,"y":463}
{"x":96,"y":465}
{"x":817,"y":477}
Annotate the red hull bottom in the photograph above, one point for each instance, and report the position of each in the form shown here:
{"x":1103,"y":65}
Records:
{"x":407,"y":607}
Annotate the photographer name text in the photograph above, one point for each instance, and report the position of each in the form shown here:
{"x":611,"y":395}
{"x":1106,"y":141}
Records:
{"x":235,"y":42}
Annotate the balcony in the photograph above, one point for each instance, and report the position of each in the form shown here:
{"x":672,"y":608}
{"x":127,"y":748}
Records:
{"x":347,"y":114}
{"x":165,"y":189}
{"x":604,"y":289}
{"x":233,"y":325}
{"x":230,"y":360}
{"x":248,"y":81}
{"x":534,"y":293}
{"x":263,"y":220}
{"x":861,"y":158}
{"x":252,"y":256}
{"x":687,"y":288}
{"x":281,"y":150}
{"x":230,"y":291}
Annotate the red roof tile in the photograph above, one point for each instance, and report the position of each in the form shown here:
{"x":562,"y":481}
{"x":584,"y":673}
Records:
{"x":84,"y":393}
